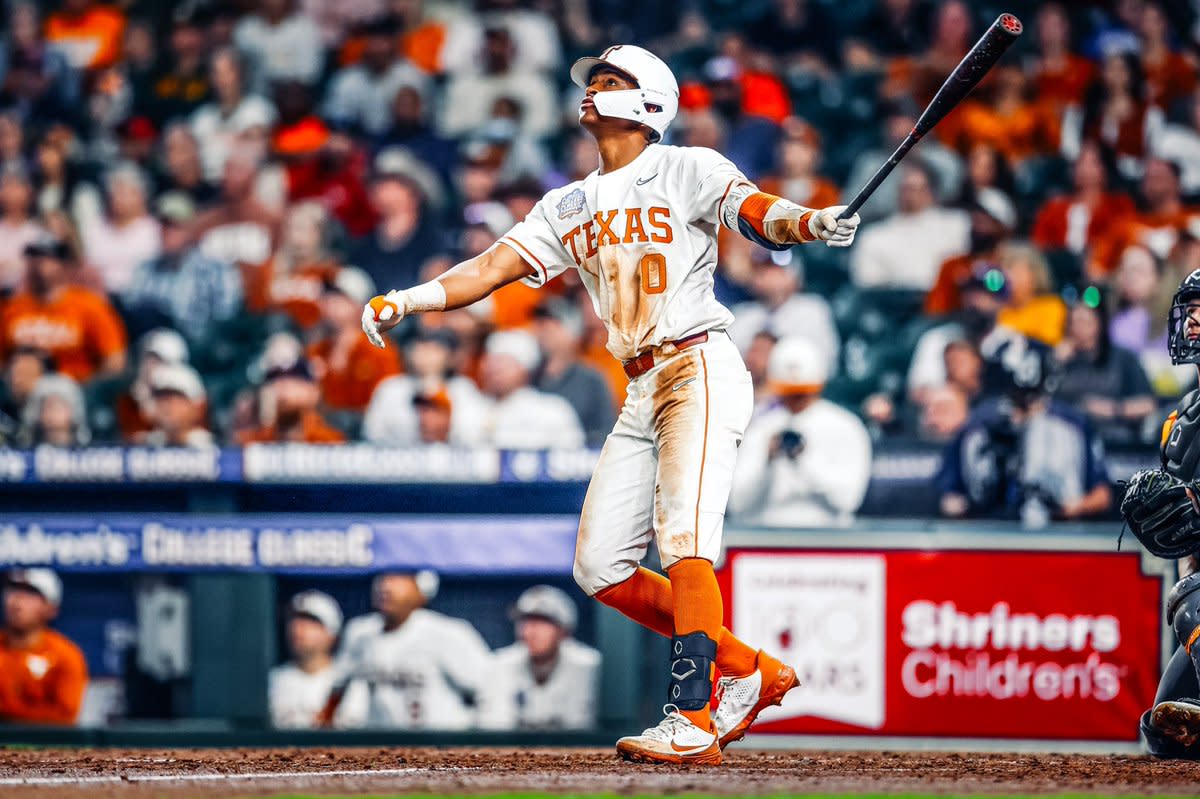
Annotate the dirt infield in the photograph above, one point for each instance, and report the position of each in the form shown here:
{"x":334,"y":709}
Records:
{"x":251,"y":773}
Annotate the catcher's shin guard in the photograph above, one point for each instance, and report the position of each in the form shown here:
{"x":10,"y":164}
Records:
{"x":692,"y":658}
{"x":1183,"y":614}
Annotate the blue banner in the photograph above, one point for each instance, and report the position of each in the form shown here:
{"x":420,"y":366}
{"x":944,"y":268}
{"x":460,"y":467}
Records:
{"x":307,"y":544}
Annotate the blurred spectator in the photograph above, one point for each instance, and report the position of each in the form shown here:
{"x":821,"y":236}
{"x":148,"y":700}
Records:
{"x":558,"y":326}
{"x":993,"y":220}
{"x":393,"y":417}
{"x":337,"y":18}
{"x":182,"y":171}
{"x":898,"y":122}
{"x":232,"y":115}
{"x":535,"y":38}
{"x":1179,"y":143}
{"x":178,"y":408}
{"x":361,"y":95}
{"x":1076,"y":221}
{"x":796,"y":31}
{"x":287,"y":405}
{"x":780,"y":308}
{"x":1115,"y":113}
{"x":297,"y":690}
{"x":1007,"y":116}
{"x":135,"y":406}
{"x":951,"y":36}
{"x":906,"y":249}
{"x":284,"y":44}
{"x":12,"y":139}
{"x":893,"y":28}
{"x":349,"y":365}
{"x":554,"y":678}
{"x":328,"y":168}
{"x":25,"y":368}
{"x":54,"y":415}
{"x":423,"y":670}
{"x":807,"y":462}
{"x":974,"y":324}
{"x":87,"y":32}
{"x":1024,"y":456}
{"x":434,"y":416}
{"x":1031,"y":307}
{"x":470,"y":98}
{"x":1157,"y":225}
{"x":241,"y":228}
{"x":17,"y":226}
{"x":34,"y":78}
{"x":408,"y":127}
{"x":1136,"y":323}
{"x":179,"y":85}
{"x":1105,"y":382}
{"x":757,"y":356}
{"x":522,"y":416}
{"x":943,"y":413}
{"x":402,"y":240}
{"x":43,"y":674}
{"x":797,"y":178}
{"x":1060,"y":76}
{"x":1170,"y":76}
{"x":55,"y":177}
{"x":75,"y":325}
{"x":986,"y":168}
{"x":750,"y":104}
{"x":294,"y":278}
{"x":182,"y":287}
{"x":126,"y":235}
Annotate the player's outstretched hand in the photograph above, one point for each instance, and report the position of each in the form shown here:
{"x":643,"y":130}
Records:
{"x":381,"y":314}
{"x":835,"y":232}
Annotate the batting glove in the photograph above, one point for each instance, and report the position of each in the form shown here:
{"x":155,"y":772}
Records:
{"x":835,"y":232}
{"x":381,"y":314}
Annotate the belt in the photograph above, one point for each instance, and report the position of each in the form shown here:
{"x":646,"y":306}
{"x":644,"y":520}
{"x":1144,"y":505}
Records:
{"x":636,"y":367}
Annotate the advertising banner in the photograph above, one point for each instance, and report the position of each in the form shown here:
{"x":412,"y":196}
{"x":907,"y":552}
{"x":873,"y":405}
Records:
{"x":308,"y":544}
{"x":970,"y":644}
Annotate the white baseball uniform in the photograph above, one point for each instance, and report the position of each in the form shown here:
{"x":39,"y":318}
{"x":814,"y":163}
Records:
{"x":566,"y":700}
{"x":432,"y":672}
{"x":295,"y":697}
{"x":643,"y":238}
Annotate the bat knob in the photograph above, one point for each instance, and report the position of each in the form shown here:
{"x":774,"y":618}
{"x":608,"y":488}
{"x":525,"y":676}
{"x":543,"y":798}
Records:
{"x":1011,"y":24}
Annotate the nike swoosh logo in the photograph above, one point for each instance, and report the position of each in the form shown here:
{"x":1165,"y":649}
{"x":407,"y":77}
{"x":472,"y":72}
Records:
{"x":644,"y":181}
{"x":682,"y":383}
{"x":689,"y":750}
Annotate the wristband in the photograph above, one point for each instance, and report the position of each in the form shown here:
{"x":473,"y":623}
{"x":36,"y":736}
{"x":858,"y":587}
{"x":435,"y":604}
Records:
{"x":429,"y":296}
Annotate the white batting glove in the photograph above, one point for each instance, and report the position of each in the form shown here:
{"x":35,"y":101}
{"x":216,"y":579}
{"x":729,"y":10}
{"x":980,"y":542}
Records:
{"x":826,"y":226}
{"x":381,"y":314}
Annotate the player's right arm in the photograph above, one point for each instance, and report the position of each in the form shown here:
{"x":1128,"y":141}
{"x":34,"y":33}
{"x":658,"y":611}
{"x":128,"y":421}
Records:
{"x":463,"y":284}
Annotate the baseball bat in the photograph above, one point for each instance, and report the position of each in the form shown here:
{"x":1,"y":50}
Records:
{"x":965,"y":77}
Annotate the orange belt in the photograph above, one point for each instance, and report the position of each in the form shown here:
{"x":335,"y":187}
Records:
{"x":636,"y":367}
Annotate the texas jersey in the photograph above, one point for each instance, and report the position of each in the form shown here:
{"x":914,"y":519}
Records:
{"x":643,"y":238}
{"x":431,"y":672}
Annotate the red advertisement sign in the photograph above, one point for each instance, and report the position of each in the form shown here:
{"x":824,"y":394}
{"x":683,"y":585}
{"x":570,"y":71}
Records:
{"x":1049,"y":645}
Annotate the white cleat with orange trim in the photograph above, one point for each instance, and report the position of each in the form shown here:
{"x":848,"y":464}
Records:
{"x":741,"y":699}
{"x":674,"y":740}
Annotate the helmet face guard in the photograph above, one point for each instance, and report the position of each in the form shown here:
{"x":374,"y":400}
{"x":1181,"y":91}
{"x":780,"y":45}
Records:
{"x":1182,"y":349}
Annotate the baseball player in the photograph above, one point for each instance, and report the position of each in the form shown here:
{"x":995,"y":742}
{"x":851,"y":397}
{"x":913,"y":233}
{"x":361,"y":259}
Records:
{"x":423,"y":670}
{"x":553,"y":677}
{"x":1160,"y":508}
{"x":641,"y":231}
{"x":297,"y":690}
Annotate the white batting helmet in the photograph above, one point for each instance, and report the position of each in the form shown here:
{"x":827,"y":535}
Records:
{"x":655,"y":101}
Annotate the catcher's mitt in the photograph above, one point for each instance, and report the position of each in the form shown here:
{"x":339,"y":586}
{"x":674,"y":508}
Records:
{"x":1161,"y":512}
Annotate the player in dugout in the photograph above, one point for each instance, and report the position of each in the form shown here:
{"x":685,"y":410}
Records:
{"x":42,"y":672}
{"x":641,"y":230}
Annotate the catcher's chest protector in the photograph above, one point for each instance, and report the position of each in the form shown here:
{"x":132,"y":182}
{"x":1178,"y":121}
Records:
{"x":1180,"y":450}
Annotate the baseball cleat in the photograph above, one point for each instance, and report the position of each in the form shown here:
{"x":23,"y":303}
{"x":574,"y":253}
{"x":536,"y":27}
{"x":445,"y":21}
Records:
{"x":1178,"y":719}
{"x":741,"y":699}
{"x":674,"y":740}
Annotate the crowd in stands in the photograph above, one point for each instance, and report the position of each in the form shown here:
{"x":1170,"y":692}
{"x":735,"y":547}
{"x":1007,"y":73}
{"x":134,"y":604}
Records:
{"x":197,"y":197}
